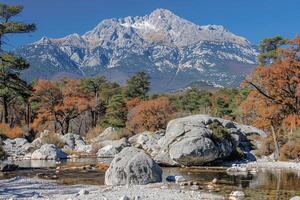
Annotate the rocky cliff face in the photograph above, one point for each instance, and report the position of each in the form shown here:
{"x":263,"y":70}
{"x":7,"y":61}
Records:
{"x":174,"y":51}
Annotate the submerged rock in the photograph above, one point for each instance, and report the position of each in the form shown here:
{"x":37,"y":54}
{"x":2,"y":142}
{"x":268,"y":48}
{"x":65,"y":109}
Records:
{"x":132,"y":166}
{"x":48,"y":152}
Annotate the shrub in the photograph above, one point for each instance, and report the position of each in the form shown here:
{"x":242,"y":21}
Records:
{"x":8,"y":132}
{"x":150,"y":115}
{"x":219,"y":132}
{"x":290,"y":151}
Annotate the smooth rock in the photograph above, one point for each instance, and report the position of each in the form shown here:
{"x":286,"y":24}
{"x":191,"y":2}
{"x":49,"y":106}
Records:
{"x":295,"y":198}
{"x":132,"y":166}
{"x":189,"y":141}
{"x":48,"y":152}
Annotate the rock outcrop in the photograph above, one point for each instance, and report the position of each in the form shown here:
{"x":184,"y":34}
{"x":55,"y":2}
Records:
{"x":201,"y":139}
{"x":132,"y":166}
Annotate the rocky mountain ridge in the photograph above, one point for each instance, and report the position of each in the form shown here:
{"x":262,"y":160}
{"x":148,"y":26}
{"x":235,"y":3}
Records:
{"x":172,"y":50}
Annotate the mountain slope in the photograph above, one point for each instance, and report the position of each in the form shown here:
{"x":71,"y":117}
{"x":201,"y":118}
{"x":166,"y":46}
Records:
{"x":174,"y":51}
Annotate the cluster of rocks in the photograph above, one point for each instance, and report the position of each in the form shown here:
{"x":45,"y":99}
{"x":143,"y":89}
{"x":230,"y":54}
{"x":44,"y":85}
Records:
{"x":40,"y":149}
{"x":188,"y":141}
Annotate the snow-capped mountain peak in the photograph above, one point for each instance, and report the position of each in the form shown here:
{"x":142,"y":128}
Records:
{"x":161,"y":43}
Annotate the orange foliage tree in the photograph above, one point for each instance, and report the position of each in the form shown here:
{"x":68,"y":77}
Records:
{"x":59,"y":103}
{"x":150,"y":115}
{"x":275,"y":95}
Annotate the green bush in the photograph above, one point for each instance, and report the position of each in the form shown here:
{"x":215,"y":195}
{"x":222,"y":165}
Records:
{"x":219,"y":132}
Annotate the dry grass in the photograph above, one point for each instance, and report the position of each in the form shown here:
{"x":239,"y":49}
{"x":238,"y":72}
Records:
{"x":54,"y":138}
{"x":11,"y":133}
{"x":93,"y":132}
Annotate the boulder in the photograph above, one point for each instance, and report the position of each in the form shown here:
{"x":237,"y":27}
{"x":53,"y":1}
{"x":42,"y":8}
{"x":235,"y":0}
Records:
{"x":16,"y":148}
{"x":113,"y":148}
{"x":295,"y":198}
{"x":148,"y":141}
{"x":132,"y":166}
{"x":48,"y":152}
{"x":192,"y":141}
{"x":76,"y":143}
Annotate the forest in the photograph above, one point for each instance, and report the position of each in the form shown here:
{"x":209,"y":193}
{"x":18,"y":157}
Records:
{"x":269,"y":98}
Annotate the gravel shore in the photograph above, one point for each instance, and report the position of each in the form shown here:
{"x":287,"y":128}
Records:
{"x":33,"y":188}
{"x":261,"y":164}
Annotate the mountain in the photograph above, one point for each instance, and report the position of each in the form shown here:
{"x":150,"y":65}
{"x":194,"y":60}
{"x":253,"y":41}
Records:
{"x":174,"y":51}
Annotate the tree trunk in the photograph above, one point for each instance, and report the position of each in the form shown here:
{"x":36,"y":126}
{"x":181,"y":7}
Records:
{"x":276,"y":153}
{"x":5,"y":110}
{"x":67,"y":122}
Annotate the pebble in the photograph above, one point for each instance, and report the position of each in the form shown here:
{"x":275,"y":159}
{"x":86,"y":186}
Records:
{"x":124,"y":198}
{"x":236,"y":195}
{"x":195,"y":187}
{"x":83,"y":192}
{"x":215,"y":181}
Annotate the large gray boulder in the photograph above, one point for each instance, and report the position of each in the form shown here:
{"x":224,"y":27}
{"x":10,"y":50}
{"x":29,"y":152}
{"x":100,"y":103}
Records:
{"x":76,"y":143}
{"x":48,"y":152}
{"x":192,"y":141}
{"x":132,"y":166}
{"x":114,"y":147}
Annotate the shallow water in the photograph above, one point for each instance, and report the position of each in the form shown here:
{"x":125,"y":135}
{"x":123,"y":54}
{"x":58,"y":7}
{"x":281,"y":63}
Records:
{"x":267,"y":184}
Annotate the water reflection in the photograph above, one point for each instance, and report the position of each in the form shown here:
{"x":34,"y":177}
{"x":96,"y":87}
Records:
{"x":265,"y":184}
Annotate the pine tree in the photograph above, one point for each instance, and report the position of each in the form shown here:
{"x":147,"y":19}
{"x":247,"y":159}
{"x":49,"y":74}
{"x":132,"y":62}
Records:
{"x":138,"y":86}
{"x":116,"y":115}
{"x":268,"y":48}
{"x":11,"y":85}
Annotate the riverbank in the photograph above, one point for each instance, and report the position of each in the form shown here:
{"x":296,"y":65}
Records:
{"x":280,"y":165}
{"x":31,"y":188}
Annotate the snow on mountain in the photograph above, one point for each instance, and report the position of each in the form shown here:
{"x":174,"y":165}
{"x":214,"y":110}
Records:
{"x":174,"y":51}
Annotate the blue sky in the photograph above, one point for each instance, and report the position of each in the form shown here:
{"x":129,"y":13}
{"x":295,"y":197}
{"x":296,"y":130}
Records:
{"x":253,"y":19}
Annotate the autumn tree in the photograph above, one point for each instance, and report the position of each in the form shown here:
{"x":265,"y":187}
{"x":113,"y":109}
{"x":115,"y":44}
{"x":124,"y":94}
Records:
{"x":274,"y":101}
{"x":151,"y":115}
{"x":60,"y":102}
{"x":11,"y":85}
{"x":138,"y":85}
{"x":275,"y":95}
